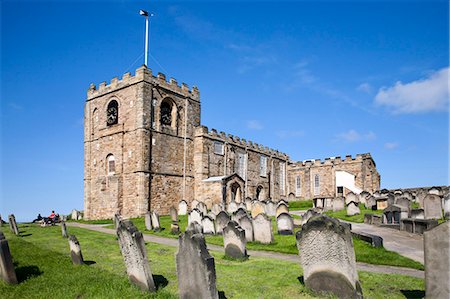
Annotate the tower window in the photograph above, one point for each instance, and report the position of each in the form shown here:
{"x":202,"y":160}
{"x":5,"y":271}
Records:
{"x":111,"y":164}
{"x":166,"y":113}
{"x":316,"y":184}
{"x":112,"y":113}
{"x":263,"y":166}
{"x":298,"y":186}
{"x":218,"y":148}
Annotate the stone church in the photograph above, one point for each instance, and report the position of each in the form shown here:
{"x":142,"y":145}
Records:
{"x":145,"y":149}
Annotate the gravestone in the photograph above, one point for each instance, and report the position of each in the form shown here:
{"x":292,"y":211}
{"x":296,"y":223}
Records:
{"x":13,"y":224}
{"x":405,"y":203}
{"x":432,"y":206}
{"x":282,"y":201}
{"x":134,"y":253}
{"x":435,"y":191}
{"x":148,"y":221}
{"x":232,"y":207}
{"x":262,"y":229}
{"x":76,"y":215}
{"x":382,"y":203}
{"x":285,"y":224}
{"x":182,"y":207}
{"x":194,"y":204}
{"x":351,"y":197}
{"x":408,"y":195}
{"x":202,"y":207}
{"x":195,"y":268}
{"x":363,"y":197}
{"x":7,"y":272}
{"x":420,"y":196}
{"x":238,"y":214}
{"x":75,"y":251}
{"x":353,"y":209}
{"x":116,"y":219}
{"x":222,"y":220}
{"x":371,"y":202}
{"x":257,"y":208}
{"x":338,"y":204}
{"x":437,"y":261}
{"x":447,"y":206}
{"x":248,"y":204}
{"x":195,"y":215}
{"x":174,"y":228}
{"x":242,"y":205}
{"x":216,"y":209}
{"x":173,"y":214}
{"x":246,"y":223}
{"x":195,"y":227}
{"x":328,"y":258}
{"x":64,"y":229}
{"x":155,"y":222}
{"x":208,"y":225}
{"x":392,"y":214}
{"x":282,"y":208}
{"x":234,"y":241}
{"x":211,"y":215}
{"x":271,"y":208}
{"x":417,"y":214}
{"x":308,"y":214}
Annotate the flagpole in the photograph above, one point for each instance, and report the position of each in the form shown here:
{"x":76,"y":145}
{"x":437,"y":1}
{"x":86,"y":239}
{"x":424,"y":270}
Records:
{"x":145,"y":14}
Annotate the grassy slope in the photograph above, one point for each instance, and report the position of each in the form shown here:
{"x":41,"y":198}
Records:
{"x":45,"y":253}
{"x":300,"y":205}
{"x":342,"y":214}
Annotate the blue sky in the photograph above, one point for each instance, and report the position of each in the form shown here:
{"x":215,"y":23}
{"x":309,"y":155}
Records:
{"x":311,"y":79}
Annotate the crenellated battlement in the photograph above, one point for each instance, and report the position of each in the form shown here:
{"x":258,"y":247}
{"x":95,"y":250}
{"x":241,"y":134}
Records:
{"x":332,"y":160}
{"x":142,"y":74}
{"x":231,"y":139}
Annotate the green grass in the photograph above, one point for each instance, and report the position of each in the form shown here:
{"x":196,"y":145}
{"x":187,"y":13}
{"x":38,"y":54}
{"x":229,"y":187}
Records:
{"x":287,"y":244}
{"x":103,"y":221}
{"x":43,"y":265}
{"x":342,"y":214}
{"x":300,"y":205}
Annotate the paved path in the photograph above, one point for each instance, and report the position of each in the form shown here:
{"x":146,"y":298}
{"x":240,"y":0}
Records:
{"x":265,"y":254}
{"x":404,"y":243}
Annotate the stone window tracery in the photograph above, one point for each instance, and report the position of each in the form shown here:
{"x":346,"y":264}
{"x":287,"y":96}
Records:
{"x":316,"y":184}
{"x":298,"y":186}
{"x":166,"y":113}
{"x":111,"y":164}
{"x":112,"y":113}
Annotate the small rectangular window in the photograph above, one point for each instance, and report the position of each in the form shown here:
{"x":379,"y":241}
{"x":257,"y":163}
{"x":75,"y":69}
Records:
{"x":282,"y":177}
{"x":218,"y":148}
{"x":263,"y":166}
{"x":298,"y":186}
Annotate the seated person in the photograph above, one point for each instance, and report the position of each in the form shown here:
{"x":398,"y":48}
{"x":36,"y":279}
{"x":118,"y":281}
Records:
{"x":38,"y":218}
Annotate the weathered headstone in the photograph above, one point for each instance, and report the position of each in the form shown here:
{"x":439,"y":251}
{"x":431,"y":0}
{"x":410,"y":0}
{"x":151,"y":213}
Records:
{"x":216,"y":208}
{"x":174,"y":228}
{"x":75,"y":251}
{"x":64,"y":229}
{"x":363,"y":197}
{"x":208,"y":225}
{"x":155,"y":221}
{"x":76,"y":215}
{"x":7,"y":272}
{"x":246,"y":223}
{"x":195,"y":215}
{"x":437,"y":261}
{"x":211,"y":215}
{"x":371,"y":202}
{"x":234,"y":241}
{"x":195,"y":227}
{"x":447,"y":206}
{"x":262,"y":229}
{"x":417,"y":214}
{"x":282,"y":208}
{"x":338,"y":204}
{"x":222,"y":220}
{"x":351,"y":197}
{"x":257,"y":208}
{"x":404,"y":202}
{"x":353,"y":208}
{"x":271,"y":208}
{"x":308,"y":214}
{"x":285,"y":224}
{"x":134,"y":253}
{"x":328,"y":257}
{"x":116,"y":220}
{"x":148,"y":221}
{"x":242,"y":205}
{"x":195,"y":268}
{"x":420,"y":196}
{"x":432,"y":206}
{"x":238,"y":214}
{"x":202,"y":207}
{"x":232,"y":207}
{"x":13,"y":224}
{"x":435,"y":191}
{"x":182,"y":207}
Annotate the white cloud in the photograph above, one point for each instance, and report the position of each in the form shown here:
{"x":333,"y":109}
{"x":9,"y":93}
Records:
{"x":364,"y":87}
{"x":423,"y":95}
{"x":391,"y":145}
{"x":354,"y":136}
{"x":289,"y":134}
{"x":254,"y":125}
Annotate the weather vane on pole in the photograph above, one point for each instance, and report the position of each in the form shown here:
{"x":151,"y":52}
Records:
{"x":145,"y":13}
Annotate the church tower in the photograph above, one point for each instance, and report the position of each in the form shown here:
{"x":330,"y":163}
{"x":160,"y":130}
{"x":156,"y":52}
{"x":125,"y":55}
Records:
{"x":138,"y":145}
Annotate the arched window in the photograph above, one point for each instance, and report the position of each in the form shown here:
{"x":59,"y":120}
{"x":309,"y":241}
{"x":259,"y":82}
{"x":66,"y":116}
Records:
{"x":316,"y":184}
{"x":112,"y":113}
{"x":111,"y":164}
{"x":166,"y":113}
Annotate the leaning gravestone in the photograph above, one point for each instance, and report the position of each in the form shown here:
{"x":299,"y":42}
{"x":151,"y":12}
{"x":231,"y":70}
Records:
{"x":7,"y":272}
{"x":238,"y":214}
{"x":363,"y":197}
{"x":353,"y":209}
{"x":271,"y":208}
{"x":328,"y":258}
{"x":134,"y":253}
{"x":432,"y":206}
{"x":437,"y":261}
{"x":222,"y":220}
{"x":195,"y":215}
{"x":182,"y":207}
{"x":371,"y":202}
{"x":116,"y":219}
{"x":285,"y":224}
{"x":308,"y":214}
{"x":262,"y":229}
{"x":351,"y":197}
{"x":208,"y":225}
{"x":232,"y":207}
{"x":282,"y":208}
{"x":13,"y":224}
{"x":195,"y":268}
{"x":173,"y":215}
{"x":148,"y":221}
{"x":234,"y":241}
{"x":246,"y":223}
{"x":155,"y":222}
{"x":75,"y":251}
{"x":257,"y":208}
{"x":202,"y":207}
{"x":64,"y":229}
